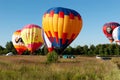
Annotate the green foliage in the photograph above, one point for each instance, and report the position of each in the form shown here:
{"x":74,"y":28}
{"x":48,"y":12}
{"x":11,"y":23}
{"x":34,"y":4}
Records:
{"x":85,"y":49}
{"x":100,"y":49}
{"x":52,"y":57}
{"x":26,"y":52}
{"x":10,"y":48}
{"x":3,"y":52}
{"x":68,"y":51}
{"x":1,"y":48}
{"x":76,"y":51}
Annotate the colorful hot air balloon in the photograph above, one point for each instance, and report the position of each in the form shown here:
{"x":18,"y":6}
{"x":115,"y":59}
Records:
{"x":116,"y":35}
{"x":32,"y":37}
{"x":62,"y":26}
{"x":18,"y":42}
{"x":108,"y":29}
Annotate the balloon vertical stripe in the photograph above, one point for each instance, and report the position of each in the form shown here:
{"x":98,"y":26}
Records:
{"x":61,"y":14}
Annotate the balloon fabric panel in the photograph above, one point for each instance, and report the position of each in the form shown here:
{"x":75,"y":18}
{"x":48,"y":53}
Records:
{"x":47,"y":42}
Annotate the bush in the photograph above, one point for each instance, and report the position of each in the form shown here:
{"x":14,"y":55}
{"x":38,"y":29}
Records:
{"x":52,"y":57}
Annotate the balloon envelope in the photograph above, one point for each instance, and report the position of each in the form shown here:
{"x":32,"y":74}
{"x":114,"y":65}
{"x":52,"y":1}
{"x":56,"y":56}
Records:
{"x":116,"y":35}
{"x":18,"y":42}
{"x":108,"y":29}
{"x":62,"y":26}
{"x":32,"y":36}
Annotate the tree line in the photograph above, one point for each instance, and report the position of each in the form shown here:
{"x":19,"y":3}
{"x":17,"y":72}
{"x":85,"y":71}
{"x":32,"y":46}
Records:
{"x":92,"y":50}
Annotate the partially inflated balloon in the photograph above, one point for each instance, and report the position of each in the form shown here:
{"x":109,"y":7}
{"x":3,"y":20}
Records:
{"x":116,"y":35}
{"x":18,"y":42}
{"x":108,"y":29}
{"x":62,"y":26}
{"x":32,"y":37}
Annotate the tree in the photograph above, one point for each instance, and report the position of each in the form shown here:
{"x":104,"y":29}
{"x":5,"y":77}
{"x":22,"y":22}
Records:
{"x":90,"y":53}
{"x":111,"y":49}
{"x":96,"y":51}
{"x":92,"y":48}
{"x":101,"y":50}
{"x":116,"y":50}
{"x":85,"y":49}
{"x":10,"y":48}
{"x":1,"y":48}
{"x":69,"y":50}
{"x":79,"y":50}
{"x":106,"y":51}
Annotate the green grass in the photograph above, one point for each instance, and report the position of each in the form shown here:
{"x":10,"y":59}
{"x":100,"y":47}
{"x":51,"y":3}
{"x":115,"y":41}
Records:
{"x":36,"y":68}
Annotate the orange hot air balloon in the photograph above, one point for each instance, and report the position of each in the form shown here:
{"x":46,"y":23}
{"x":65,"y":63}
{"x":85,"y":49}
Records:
{"x":18,"y":42}
{"x":32,"y":37}
{"x":62,"y":26}
{"x":108,"y":29}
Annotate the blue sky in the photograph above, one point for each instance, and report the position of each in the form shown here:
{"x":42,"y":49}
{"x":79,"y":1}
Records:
{"x":14,"y":14}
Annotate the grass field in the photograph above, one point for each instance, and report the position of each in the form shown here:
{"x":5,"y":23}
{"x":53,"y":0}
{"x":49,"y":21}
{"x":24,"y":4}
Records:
{"x":79,"y":68}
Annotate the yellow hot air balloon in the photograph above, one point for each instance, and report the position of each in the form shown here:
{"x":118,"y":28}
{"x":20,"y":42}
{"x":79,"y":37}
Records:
{"x":18,"y":42}
{"x":62,"y":26}
{"x":32,"y":36}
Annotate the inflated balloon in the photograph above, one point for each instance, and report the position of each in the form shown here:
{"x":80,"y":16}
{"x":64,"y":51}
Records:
{"x":32,"y":37}
{"x":18,"y":42}
{"x":62,"y":26}
{"x":108,"y":29}
{"x":116,"y":35}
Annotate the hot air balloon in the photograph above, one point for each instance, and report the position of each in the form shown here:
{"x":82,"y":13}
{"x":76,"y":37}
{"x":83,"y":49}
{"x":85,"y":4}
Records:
{"x":108,"y":29}
{"x":32,"y":37}
{"x":62,"y":26}
{"x":18,"y":42}
{"x":116,"y":35}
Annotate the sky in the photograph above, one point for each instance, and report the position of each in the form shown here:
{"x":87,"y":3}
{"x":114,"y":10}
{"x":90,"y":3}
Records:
{"x":15,"y":14}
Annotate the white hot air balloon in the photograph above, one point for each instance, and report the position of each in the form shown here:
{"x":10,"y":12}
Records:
{"x":116,"y":35}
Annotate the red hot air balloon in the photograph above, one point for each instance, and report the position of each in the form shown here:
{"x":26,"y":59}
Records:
{"x":18,"y":42}
{"x":62,"y":26}
{"x":108,"y":29}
